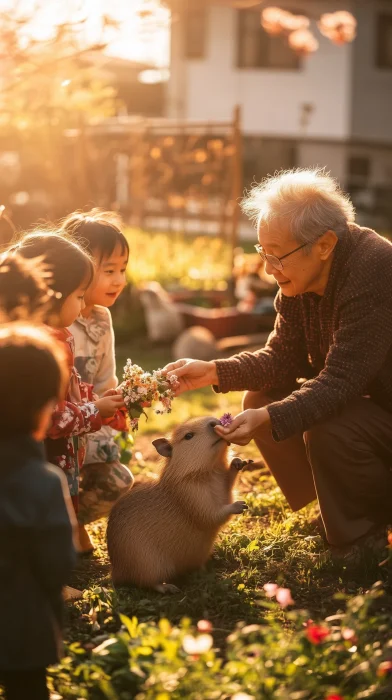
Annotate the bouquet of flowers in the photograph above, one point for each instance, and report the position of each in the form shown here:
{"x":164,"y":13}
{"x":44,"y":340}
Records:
{"x":140,"y":389}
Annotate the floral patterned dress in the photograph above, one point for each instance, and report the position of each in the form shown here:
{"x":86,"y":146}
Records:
{"x":73,"y":418}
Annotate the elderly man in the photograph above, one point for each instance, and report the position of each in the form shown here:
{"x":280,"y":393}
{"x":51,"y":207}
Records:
{"x":319,"y":394}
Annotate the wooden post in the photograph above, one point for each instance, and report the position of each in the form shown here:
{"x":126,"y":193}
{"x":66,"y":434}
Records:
{"x":237,"y":188}
{"x":82,"y":168}
{"x":138,"y":174}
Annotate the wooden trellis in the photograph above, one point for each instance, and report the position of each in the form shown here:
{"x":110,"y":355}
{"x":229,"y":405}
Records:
{"x":177,"y":176}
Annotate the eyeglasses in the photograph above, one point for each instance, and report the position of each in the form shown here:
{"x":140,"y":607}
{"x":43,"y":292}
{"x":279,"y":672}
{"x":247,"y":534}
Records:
{"x":272,"y":259}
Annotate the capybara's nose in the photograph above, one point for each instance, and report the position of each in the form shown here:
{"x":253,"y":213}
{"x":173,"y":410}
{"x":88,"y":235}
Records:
{"x":213,"y":423}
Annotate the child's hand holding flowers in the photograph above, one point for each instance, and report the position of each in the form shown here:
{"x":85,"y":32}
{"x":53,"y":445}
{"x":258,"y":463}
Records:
{"x":110,"y":402}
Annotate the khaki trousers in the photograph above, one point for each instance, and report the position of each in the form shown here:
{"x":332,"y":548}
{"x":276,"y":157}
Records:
{"x":345,"y":463}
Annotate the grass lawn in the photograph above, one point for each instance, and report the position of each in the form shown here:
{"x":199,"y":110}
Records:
{"x":267,"y":543}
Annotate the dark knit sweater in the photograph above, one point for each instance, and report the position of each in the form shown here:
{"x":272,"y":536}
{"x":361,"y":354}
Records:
{"x":340,"y":342}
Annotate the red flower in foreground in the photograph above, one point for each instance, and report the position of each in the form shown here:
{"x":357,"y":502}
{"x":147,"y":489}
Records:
{"x":390,"y":539}
{"x":384,"y":669}
{"x":317,"y":633}
{"x":334,"y":697}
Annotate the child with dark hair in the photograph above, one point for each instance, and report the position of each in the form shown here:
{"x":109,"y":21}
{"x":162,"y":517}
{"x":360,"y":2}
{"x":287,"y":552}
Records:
{"x":23,"y":291}
{"x":104,"y":478}
{"x":70,"y":271}
{"x":36,"y":518}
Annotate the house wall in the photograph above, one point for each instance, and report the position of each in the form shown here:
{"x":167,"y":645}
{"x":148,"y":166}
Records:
{"x":272,"y":101}
{"x":372,"y":86}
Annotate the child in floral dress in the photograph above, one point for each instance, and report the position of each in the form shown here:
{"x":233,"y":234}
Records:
{"x":69,"y":274}
{"x":104,"y":478}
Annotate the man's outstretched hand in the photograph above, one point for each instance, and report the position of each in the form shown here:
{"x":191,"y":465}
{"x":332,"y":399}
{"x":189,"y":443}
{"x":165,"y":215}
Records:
{"x":191,"y":374}
{"x":244,"y":426}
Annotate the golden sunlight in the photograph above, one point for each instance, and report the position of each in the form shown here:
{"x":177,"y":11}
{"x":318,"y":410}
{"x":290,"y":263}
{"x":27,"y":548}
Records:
{"x":137,"y":30}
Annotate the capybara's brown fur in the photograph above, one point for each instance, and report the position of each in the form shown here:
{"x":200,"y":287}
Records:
{"x":167,"y":527}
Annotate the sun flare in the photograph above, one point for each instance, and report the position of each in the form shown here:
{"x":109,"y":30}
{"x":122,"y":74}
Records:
{"x":136,"y":30}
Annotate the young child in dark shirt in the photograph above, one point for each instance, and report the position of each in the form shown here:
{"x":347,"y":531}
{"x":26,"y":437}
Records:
{"x":36,"y":526}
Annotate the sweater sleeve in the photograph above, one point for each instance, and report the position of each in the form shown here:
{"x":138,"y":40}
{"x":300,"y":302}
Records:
{"x":358,"y":351}
{"x":279,"y":363}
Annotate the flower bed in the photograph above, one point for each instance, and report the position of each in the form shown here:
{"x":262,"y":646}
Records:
{"x":344,"y":657}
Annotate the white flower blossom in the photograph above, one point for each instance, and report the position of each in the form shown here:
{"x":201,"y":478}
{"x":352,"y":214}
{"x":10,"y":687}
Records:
{"x":197,"y":645}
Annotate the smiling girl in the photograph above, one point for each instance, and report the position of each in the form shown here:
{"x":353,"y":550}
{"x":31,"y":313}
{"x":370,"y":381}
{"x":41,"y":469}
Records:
{"x":104,"y":478}
{"x":68,"y":271}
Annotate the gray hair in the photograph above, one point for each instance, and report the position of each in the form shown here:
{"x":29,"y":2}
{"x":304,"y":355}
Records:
{"x":310,"y":201}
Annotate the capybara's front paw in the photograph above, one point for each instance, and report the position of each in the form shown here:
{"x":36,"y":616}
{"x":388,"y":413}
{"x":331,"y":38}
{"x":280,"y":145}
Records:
{"x":239,"y":464}
{"x":238,"y":507}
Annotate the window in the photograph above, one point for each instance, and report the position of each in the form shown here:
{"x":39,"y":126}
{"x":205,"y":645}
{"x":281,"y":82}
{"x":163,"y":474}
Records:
{"x":384,"y":41}
{"x":257,"y":49}
{"x":359,"y":166}
{"x":195,"y":29}
{"x":358,"y":170}
{"x":264,"y":156}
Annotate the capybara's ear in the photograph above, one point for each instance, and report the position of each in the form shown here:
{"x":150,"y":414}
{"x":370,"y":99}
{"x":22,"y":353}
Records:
{"x":163,"y":446}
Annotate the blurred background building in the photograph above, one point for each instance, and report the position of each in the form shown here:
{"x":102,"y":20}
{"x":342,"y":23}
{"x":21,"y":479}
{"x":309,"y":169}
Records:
{"x":332,"y":108}
{"x":95,"y":122}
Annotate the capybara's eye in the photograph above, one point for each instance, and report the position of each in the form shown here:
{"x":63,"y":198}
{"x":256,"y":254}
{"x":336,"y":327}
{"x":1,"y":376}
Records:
{"x":189,"y":436}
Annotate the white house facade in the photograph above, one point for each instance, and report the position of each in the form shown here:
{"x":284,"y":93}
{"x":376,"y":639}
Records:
{"x":333,"y":108}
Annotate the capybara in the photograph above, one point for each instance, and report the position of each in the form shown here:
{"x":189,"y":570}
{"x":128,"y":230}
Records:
{"x":166,"y":527}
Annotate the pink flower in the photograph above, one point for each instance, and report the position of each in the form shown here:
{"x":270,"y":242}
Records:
{"x":272,"y":19}
{"x":270,"y":589}
{"x":349,"y":635}
{"x":226,"y":420}
{"x":204,"y":626}
{"x":316,"y":633}
{"x":340,"y":27}
{"x":303,"y":42}
{"x":283,"y":596}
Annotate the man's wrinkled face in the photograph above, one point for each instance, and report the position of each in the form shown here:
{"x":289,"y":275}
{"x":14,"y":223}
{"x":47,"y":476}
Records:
{"x":302,"y":270}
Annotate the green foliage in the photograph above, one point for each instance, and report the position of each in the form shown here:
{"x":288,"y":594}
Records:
{"x":160,"y":661}
{"x":175,"y":261}
{"x":178,"y":260}
{"x":125,"y":443}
